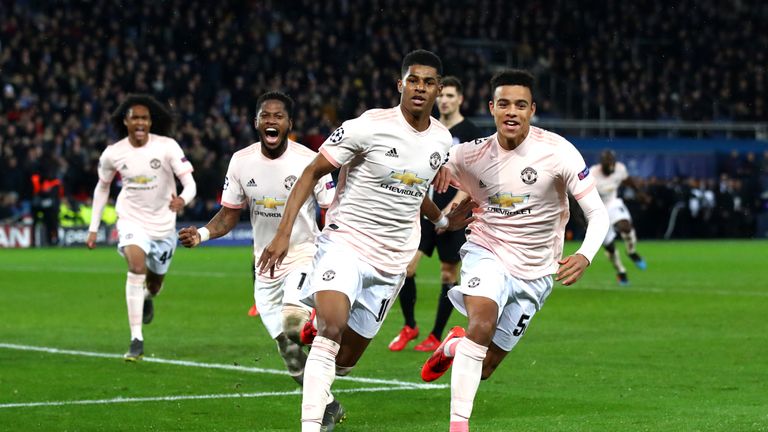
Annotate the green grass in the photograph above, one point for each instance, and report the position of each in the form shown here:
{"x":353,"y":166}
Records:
{"x":684,"y":348}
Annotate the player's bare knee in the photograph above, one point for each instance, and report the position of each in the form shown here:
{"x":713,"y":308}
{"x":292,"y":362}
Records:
{"x":331,"y":330}
{"x":481,"y":331}
{"x":137,"y":268}
{"x":449,"y":273}
{"x":624,"y":226}
{"x":294,"y":318}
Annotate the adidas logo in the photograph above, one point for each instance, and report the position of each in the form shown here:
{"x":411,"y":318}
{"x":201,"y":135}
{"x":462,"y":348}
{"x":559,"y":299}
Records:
{"x":392,"y":153}
{"x":125,"y":167}
{"x":482,"y":185}
{"x":251,"y":183}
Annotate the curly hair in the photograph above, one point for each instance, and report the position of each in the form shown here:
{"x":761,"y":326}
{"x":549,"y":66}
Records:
{"x":278,"y":96}
{"x":161,"y":115}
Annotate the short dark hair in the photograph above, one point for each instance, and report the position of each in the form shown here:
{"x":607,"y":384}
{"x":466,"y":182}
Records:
{"x":513,"y":77}
{"x":421,"y":57}
{"x":278,"y":96}
{"x":161,"y":115}
{"x":452,"y":81}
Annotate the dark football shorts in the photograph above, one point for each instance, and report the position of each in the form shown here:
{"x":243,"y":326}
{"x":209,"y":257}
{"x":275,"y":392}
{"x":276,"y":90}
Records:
{"x":447,"y":243}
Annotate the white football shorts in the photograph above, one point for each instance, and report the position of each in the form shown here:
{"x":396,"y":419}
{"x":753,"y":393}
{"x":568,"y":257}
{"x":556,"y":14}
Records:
{"x":617,"y":211}
{"x":159,"y":252}
{"x":371,"y":292}
{"x":482,"y":274}
{"x":271,"y":294}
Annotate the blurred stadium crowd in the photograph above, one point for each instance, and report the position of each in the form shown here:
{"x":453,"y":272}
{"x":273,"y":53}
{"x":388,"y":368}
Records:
{"x":65,"y":66}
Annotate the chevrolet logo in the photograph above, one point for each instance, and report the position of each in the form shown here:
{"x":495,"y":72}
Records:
{"x":407,"y":178}
{"x":140,"y":179}
{"x":269,"y":203}
{"x":508,"y":200}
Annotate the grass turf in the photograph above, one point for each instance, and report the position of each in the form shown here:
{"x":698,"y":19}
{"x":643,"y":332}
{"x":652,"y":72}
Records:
{"x":683,"y":348}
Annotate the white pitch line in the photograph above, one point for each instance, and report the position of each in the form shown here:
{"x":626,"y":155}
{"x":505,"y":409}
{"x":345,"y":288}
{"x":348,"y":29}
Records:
{"x":193,"y":397}
{"x":230,"y":367}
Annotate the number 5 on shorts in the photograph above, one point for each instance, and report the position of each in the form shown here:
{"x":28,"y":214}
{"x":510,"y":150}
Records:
{"x":521,"y":325}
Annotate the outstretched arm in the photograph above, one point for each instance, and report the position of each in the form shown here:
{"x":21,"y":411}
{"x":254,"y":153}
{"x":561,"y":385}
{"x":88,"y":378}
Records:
{"x":572,"y":267}
{"x":219,"y":225}
{"x":277,"y":249}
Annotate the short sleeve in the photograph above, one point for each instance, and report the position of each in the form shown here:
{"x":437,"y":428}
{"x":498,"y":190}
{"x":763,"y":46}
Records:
{"x":232,"y":193}
{"x":345,"y":142}
{"x":325,"y":191}
{"x":106,"y":167}
{"x":455,"y":164}
{"x":179,"y":162}
{"x":576,"y":174}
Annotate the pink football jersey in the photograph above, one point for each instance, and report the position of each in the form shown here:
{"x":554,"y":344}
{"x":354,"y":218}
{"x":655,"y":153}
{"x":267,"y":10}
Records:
{"x":147,"y":174}
{"x":386,"y":169}
{"x":522,"y":197}
{"x":262,"y":185}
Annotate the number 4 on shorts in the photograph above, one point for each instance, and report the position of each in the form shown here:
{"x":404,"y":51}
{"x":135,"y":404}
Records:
{"x":166,"y":256}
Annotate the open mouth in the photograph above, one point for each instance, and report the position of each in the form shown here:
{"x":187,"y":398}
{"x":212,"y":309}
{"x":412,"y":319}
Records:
{"x":140,"y":133}
{"x":511,"y":124}
{"x":271,"y":135}
{"x":418,"y":100}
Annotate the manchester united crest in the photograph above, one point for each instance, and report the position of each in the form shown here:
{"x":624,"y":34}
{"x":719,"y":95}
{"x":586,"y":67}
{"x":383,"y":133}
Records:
{"x":289,"y":182}
{"x":529,"y":176}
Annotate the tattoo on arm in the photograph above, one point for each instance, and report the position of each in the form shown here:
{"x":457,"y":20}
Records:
{"x":223,"y":221}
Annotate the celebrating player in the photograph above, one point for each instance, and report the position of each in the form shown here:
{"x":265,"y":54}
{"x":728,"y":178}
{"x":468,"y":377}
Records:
{"x":447,"y":243}
{"x":519,"y":176}
{"x":388,"y":157}
{"x":609,"y":176}
{"x":260,"y":177}
{"x":147,"y":203}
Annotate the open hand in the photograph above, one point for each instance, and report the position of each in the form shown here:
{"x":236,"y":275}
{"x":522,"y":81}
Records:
{"x":442,"y":180}
{"x":457,"y":217}
{"x":571,"y":269}
{"x":272,"y":255}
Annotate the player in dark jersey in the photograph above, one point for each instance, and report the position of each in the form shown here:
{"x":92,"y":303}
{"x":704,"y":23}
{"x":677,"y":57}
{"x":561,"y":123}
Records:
{"x":448,"y":243}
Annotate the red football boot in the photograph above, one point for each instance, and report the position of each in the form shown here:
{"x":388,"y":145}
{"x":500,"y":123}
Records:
{"x":429,"y":344}
{"x":253,"y":311}
{"x":438,"y":363}
{"x":406,"y":335}
{"x":309,"y":331}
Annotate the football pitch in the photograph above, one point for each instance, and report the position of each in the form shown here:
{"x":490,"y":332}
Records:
{"x":684,"y":348}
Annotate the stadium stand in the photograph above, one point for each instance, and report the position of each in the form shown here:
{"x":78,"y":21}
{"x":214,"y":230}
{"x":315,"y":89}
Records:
{"x":63,"y":69}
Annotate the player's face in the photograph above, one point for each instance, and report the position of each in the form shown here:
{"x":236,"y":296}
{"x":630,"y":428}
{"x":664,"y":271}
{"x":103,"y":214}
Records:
{"x":273,"y":124}
{"x":138,"y":121}
{"x":512,"y":108}
{"x":607,"y":163}
{"x":449,"y":101}
{"x":418,"y":89}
